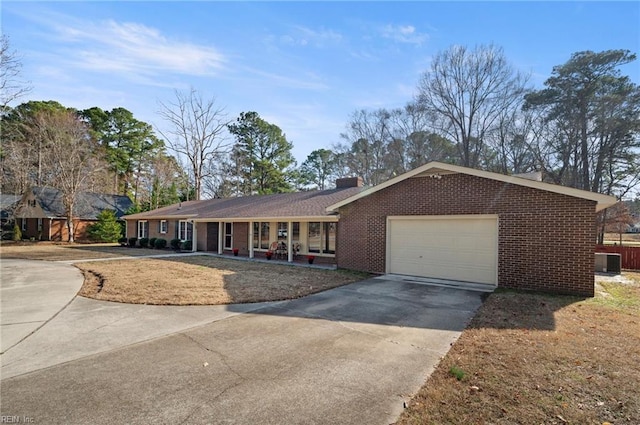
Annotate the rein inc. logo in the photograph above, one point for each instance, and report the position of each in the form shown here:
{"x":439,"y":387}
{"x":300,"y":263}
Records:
{"x":7,"y":419}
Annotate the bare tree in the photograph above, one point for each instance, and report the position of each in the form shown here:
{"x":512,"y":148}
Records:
{"x":12,"y":86}
{"x":466,"y":91}
{"x":197,"y":132}
{"x":367,"y":137}
{"x":70,"y":159}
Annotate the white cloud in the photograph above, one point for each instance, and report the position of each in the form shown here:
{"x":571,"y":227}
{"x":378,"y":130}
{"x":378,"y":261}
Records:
{"x":403,"y":34}
{"x":304,"y":36}
{"x":136,"y":49}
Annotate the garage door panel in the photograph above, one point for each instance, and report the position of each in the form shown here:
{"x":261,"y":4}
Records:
{"x":447,"y":248}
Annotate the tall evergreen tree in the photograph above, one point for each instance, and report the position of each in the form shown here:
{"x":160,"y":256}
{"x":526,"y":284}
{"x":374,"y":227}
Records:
{"x":262,"y":154}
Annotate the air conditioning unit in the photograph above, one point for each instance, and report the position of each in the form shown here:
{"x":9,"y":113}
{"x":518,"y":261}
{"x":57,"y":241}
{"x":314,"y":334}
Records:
{"x":608,"y":263}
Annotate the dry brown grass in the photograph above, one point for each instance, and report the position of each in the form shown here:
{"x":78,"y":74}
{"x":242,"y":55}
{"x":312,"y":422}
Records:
{"x":628,"y":239}
{"x":60,"y":251}
{"x":541,"y":359}
{"x":204,"y":280}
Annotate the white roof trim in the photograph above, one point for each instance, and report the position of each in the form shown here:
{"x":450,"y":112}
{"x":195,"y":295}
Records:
{"x":602,"y":201}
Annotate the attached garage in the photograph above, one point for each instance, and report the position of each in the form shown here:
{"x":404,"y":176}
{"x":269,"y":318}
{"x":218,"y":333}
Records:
{"x":463,"y":248}
{"x":450,"y":222}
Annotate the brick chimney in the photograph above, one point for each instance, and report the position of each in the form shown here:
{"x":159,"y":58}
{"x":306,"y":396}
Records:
{"x":349,"y":182}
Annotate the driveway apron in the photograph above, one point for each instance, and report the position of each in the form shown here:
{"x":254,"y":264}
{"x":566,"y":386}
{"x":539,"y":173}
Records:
{"x":353,"y":354}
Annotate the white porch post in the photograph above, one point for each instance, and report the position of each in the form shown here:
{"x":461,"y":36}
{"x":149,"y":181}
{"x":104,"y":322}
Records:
{"x":220,"y":236}
{"x":250,"y":239}
{"x":194,"y":236}
{"x":289,"y":244}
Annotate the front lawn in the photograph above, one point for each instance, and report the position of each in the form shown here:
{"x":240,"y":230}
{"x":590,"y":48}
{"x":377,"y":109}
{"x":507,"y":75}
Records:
{"x":204,"y":280}
{"x":62,"y":251}
{"x":541,"y":359}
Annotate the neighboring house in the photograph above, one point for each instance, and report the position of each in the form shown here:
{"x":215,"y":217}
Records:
{"x":7,"y":206}
{"x":41,"y":214}
{"x":438,"y":221}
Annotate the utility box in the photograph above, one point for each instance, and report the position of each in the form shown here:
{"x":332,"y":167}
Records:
{"x":608,"y":263}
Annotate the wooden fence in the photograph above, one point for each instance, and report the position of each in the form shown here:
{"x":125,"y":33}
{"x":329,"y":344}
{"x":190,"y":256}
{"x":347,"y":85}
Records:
{"x":630,"y":255}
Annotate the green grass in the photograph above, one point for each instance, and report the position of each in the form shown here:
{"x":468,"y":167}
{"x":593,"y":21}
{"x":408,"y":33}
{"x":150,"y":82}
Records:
{"x":623,"y":297}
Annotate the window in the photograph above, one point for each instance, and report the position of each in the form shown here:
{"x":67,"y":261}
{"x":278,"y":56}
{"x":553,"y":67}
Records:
{"x":322,"y":237}
{"x":185,"y":230}
{"x":296,"y":231}
{"x":163,"y":226}
{"x":282,"y":231}
{"x":31,"y":202}
{"x":261,"y":235}
{"x":315,"y":236}
{"x":228,"y":235}
{"x":143,"y":229}
{"x":24,"y":224}
{"x":39,"y":225}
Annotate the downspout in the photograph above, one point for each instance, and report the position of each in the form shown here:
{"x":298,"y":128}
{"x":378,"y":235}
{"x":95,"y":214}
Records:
{"x":50,"y":224}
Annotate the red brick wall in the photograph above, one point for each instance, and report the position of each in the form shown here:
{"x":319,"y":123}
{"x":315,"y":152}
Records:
{"x":546,"y":240}
{"x":241,"y":237}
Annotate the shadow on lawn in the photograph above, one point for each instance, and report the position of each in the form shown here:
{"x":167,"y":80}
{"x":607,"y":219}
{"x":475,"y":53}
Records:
{"x":510,"y":309}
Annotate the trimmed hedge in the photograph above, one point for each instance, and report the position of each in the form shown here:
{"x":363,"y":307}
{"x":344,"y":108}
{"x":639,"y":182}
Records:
{"x":132,"y":242}
{"x":175,"y":244}
{"x":152,"y":243}
{"x":123,"y":241}
{"x":144,"y":242}
{"x":187,"y":245}
{"x":160,"y":243}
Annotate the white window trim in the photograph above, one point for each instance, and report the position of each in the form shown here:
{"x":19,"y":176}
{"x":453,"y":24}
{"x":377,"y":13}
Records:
{"x":39,"y":225}
{"x":163,"y":227}
{"x":141,"y":228}
{"x":228,"y":234}
{"x":183,"y":235}
{"x":24,"y":225}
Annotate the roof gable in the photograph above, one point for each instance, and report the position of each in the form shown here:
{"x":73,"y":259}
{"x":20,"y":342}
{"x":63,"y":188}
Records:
{"x":439,"y":169}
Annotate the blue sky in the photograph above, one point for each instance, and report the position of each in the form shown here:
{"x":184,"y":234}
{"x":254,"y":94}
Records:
{"x":305,"y":66}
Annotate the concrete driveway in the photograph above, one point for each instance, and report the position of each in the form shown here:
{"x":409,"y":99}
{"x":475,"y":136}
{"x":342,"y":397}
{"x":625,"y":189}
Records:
{"x":31,"y":293}
{"x":349,"y":355}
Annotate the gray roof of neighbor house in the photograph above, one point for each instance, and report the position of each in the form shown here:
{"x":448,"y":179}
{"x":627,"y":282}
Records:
{"x":8,"y":203}
{"x":282,"y":205}
{"x":88,"y":205}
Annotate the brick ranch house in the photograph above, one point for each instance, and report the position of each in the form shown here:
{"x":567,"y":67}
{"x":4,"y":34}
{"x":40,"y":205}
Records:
{"x":437,"y":221}
{"x":42,"y":216}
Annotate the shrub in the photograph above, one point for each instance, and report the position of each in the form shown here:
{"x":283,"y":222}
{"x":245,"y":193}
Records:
{"x":144,"y":242}
{"x":152,"y":243}
{"x":456,"y":372}
{"x":175,"y":244}
{"x":123,"y":241}
{"x":132,"y":242}
{"x":160,"y":243}
{"x":17,"y":233}
{"x":187,"y":245}
{"x":106,"y":229}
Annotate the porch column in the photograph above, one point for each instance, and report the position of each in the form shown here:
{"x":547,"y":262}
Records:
{"x":220,"y":237}
{"x":289,"y":244}
{"x":194,"y":236}
{"x":250,"y":239}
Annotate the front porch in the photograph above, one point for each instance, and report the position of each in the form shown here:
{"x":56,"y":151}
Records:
{"x":287,"y":241}
{"x":328,"y":263}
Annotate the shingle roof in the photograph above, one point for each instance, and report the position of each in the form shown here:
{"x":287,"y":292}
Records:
{"x":281,"y":205}
{"x":88,"y":205}
{"x":7,"y":204}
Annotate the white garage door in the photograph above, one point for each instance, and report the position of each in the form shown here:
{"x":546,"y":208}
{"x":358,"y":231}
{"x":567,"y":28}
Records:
{"x":458,"y":248}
